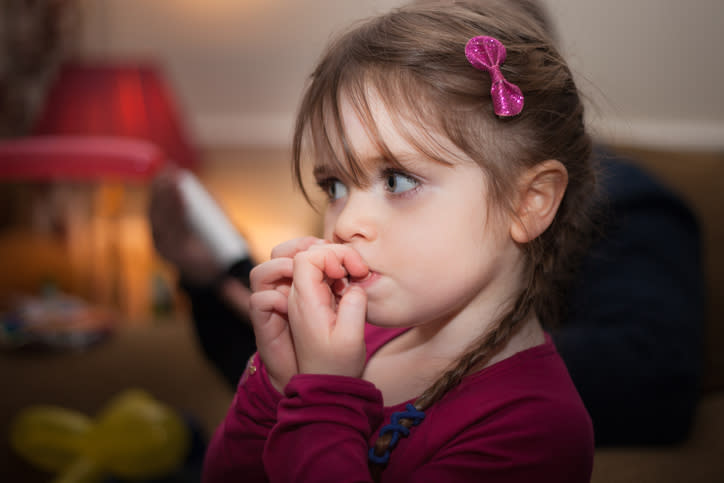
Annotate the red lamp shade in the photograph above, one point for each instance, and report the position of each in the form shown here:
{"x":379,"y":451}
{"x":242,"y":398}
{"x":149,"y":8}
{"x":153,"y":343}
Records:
{"x":47,"y":158}
{"x":128,"y":100}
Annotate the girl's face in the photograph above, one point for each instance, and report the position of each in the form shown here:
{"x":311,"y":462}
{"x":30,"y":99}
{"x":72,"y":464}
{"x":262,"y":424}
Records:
{"x":436,"y":248}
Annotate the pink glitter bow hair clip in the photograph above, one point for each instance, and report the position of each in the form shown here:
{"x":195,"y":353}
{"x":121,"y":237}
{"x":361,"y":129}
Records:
{"x":487,"y":54}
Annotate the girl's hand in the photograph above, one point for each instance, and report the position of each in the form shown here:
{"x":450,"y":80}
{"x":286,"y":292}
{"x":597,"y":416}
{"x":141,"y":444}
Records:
{"x":328,"y":330}
{"x":270,"y":283}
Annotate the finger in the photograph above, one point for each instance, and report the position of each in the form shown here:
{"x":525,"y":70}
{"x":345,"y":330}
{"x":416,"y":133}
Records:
{"x":315,"y":272}
{"x":261,"y":306}
{"x":343,"y":256}
{"x":273,"y":336}
{"x":268,"y":301}
{"x":292,"y":247}
{"x":312,"y":269}
{"x":351,"y":315}
{"x":284,"y":288}
{"x":268,"y":275}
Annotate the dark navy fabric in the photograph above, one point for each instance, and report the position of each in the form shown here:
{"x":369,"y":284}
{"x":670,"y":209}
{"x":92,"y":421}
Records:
{"x":632,"y":340}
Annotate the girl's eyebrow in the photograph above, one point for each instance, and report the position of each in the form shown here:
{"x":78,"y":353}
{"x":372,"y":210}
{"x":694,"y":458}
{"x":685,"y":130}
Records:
{"x":323,"y":171}
{"x":402,"y":159}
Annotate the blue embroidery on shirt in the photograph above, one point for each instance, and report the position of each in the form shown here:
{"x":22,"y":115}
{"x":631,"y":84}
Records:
{"x":397,"y":429}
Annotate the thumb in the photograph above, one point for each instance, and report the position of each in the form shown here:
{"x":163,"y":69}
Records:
{"x":351,"y":314}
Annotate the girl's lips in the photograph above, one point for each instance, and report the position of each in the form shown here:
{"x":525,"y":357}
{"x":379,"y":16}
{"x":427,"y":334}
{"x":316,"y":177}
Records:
{"x":340,"y":286}
{"x":365,"y":281}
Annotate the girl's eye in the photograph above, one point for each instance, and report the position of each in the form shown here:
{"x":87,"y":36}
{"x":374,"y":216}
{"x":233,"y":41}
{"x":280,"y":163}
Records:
{"x":399,"y":183}
{"x":335,"y":189}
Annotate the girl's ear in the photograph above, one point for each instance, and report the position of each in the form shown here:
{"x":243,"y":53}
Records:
{"x":540,"y":191}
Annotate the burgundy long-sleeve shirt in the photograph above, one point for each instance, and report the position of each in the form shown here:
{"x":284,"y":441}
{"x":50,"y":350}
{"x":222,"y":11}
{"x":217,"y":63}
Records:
{"x":518,"y":420}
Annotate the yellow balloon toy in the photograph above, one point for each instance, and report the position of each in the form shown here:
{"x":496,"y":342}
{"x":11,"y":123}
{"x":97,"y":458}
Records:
{"x":134,"y":437}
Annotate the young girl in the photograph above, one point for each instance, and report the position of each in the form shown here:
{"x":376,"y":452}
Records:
{"x":407,"y":345}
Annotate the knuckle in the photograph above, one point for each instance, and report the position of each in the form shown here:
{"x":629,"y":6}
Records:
{"x":276,"y":252}
{"x":282,"y":249}
{"x":256,"y":301}
{"x":255,"y":278}
{"x":301,"y":257}
{"x":254,"y":273}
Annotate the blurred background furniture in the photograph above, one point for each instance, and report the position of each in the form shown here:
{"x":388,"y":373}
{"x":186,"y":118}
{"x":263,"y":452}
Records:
{"x":70,"y":196}
{"x":697,"y":177}
{"x":121,"y":99}
{"x":102,"y":130}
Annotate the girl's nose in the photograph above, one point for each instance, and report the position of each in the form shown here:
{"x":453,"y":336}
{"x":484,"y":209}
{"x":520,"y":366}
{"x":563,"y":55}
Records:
{"x":356,"y":220}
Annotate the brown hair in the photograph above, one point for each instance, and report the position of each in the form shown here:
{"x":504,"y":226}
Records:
{"x":414,"y":59}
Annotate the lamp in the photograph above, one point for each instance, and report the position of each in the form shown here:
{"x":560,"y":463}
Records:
{"x":50,"y":158}
{"x":108,"y":248}
{"x":116,"y":99}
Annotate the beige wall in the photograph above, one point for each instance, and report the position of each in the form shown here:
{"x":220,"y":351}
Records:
{"x":652,"y":67}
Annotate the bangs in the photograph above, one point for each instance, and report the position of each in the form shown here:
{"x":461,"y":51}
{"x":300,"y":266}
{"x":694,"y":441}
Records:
{"x":437,"y":102}
{"x":322,"y":134}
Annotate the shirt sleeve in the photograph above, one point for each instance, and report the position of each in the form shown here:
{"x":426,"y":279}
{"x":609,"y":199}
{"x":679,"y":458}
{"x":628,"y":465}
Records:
{"x":322,"y":431}
{"x":235,"y":450}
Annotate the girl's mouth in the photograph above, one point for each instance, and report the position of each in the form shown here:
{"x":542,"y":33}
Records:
{"x":340,"y":286}
{"x":359,"y":280}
